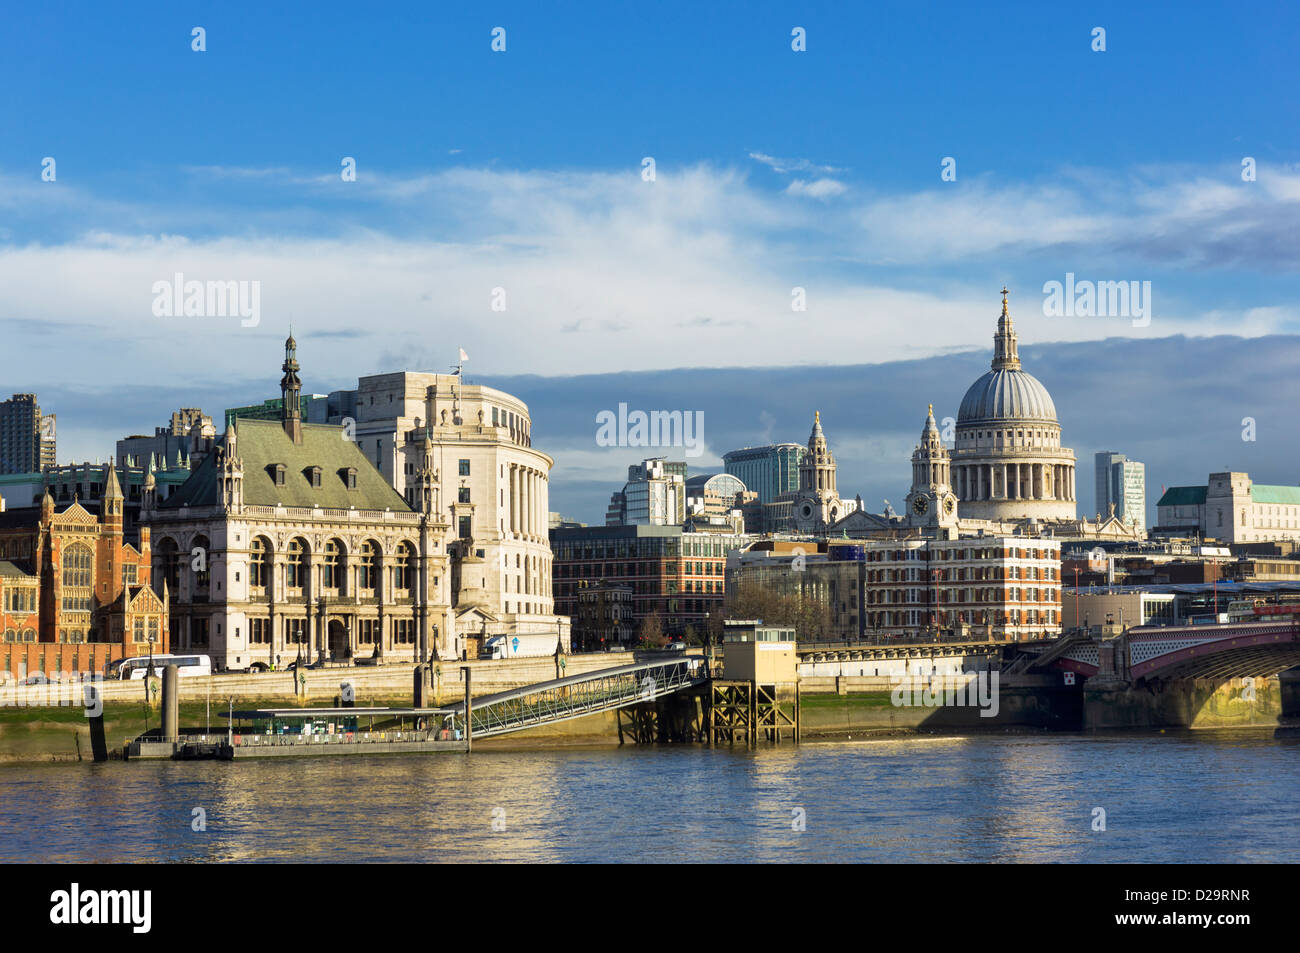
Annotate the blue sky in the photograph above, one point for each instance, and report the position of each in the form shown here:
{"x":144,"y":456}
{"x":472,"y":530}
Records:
{"x":521,"y":170}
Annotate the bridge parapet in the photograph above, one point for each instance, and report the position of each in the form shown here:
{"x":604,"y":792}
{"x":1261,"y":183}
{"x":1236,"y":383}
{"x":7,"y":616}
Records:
{"x":1231,"y":650}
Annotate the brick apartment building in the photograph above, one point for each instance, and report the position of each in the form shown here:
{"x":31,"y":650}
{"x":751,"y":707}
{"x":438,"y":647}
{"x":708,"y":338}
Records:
{"x":973,"y":587}
{"x":680,"y":576}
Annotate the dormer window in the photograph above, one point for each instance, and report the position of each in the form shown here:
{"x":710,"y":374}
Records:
{"x":313,"y":476}
{"x":277,"y":473}
{"x":349,"y":475}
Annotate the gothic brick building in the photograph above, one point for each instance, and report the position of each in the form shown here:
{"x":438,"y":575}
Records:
{"x":74,"y":595}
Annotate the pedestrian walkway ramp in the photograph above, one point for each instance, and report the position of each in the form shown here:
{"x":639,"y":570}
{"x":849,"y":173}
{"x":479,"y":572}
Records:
{"x":578,"y":695}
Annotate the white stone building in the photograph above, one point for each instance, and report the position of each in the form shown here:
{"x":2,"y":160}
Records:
{"x":1232,"y":508}
{"x":288,"y":539}
{"x":492,"y":484}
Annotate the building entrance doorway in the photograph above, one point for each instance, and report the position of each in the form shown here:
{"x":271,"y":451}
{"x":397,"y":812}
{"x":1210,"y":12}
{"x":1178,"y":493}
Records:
{"x":338,"y":640}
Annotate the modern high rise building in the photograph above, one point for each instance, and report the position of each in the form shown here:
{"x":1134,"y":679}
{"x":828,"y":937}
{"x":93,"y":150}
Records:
{"x":654,"y":495}
{"x":769,"y":471}
{"x":1122,"y":482}
{"x":27,"y":437}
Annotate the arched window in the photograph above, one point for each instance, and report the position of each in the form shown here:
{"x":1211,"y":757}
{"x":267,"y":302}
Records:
{"x":200,"y":554}
{"x":77,"y":582}
{"x":259,"y":566}
{"x":368,"y":576}
{"x":168,"y":559}
{"x":334,"y":565}
{"x":404,"y":571}
{"x":296,"y":565}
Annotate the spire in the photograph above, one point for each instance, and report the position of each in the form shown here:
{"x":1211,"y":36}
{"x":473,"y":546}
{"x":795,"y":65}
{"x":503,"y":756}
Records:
{"x":816,"y":438}
{"x":290,"y":391}
{"x":930,"y":425}
{"x":112,"y":489}
{"x":1005,"y":355}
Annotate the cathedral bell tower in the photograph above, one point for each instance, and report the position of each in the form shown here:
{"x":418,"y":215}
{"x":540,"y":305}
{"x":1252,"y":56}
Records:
{"x":931,"y":504}
{"x":816,"y":503}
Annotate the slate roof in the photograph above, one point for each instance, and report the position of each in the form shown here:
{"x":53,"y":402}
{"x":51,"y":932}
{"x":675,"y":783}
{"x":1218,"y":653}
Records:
{"x":261,"y":444}
{"x":20,"y":517}
{"x":1259,"y":493}
{"x":1262,"y":493}
{"x":1183,"y":496}
{"x":14,"y":569}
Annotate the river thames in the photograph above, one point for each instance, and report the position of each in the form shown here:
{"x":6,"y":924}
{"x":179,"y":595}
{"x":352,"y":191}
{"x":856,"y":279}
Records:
{"x":1205,"y":796}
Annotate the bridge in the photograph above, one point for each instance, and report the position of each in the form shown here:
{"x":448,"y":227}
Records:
{"x":1231,"y":650}
{"x":576,"y":696}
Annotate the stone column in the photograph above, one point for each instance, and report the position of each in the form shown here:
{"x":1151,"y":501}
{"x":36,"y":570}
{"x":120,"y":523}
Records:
{"x":514,"y":499}
{"x":381,"y":592}
{"x":528,"y":502}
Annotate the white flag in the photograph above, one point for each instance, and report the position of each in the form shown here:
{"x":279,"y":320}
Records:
{"x":463,"y":355}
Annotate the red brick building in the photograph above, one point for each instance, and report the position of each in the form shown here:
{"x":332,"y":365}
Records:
{"x":74,"y":594}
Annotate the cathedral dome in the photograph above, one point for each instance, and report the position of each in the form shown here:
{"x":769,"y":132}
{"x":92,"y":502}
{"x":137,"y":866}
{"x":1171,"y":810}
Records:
{"x":1006,"y":394}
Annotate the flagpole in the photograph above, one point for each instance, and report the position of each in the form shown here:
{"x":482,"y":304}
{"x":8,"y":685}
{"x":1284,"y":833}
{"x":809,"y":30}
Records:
{"x":458,"y":369}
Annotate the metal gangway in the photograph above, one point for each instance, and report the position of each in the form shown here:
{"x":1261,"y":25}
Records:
{"x":577,"y":695}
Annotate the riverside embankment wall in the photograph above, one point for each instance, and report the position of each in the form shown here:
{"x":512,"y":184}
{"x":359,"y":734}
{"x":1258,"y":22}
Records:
{"x":394,"y":683}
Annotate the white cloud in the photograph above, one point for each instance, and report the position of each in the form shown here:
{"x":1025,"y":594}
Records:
{"x":606,"y":272}
{"x":786,"y":166}
{"x":817,"y":189}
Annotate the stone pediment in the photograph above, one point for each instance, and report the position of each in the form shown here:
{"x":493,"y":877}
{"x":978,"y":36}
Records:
{"x":861,"y":521}
{"x":471,"y":614}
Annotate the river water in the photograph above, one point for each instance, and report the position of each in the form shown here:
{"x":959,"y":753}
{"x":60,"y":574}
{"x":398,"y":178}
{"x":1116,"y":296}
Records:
{"x":1205,"y":796}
